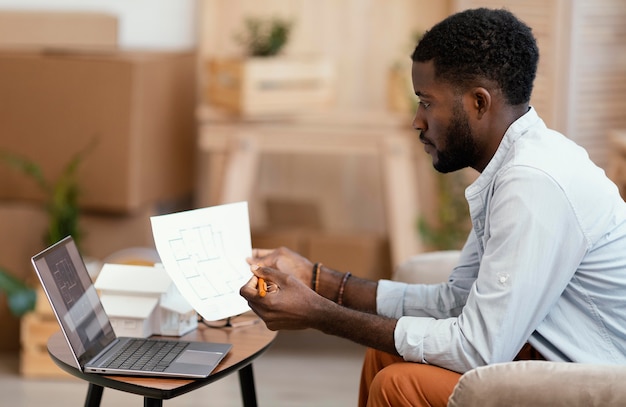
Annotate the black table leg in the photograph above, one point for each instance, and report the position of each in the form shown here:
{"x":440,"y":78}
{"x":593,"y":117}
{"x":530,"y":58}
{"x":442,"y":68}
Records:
{"x":246,"y":382}
{"x":150,"y":402}
{"x":94,"y":395}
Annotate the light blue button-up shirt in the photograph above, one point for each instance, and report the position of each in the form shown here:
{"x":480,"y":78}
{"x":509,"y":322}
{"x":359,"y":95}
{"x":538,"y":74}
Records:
{"x":545,"y":263}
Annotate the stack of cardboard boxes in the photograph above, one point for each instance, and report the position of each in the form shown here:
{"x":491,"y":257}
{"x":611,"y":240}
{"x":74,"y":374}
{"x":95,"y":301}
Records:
{"x":59,"y":96}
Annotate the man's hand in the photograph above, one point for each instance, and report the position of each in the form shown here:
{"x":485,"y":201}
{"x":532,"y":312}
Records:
{"x":285,"y":260}
{"x":290,"y":303}
{"x":287,"y":303}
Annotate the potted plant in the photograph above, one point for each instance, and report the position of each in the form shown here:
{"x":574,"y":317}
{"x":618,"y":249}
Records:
{"x":449,"y":229}
{"x":263,"y":82}
{"x":264,"y":38}
{"x":61,"y":205}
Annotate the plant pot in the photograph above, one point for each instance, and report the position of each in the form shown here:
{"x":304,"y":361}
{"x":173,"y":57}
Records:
{"x":269,"y":85}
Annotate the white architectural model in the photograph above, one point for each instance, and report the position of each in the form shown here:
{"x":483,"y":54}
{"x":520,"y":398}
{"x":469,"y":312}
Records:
{"x":142,"y":301}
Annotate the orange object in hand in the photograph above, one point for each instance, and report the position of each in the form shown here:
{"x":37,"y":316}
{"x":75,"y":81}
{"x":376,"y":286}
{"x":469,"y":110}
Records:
{"x":262,"y":288}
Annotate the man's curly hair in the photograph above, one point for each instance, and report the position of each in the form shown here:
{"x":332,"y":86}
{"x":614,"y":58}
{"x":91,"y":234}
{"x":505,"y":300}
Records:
{"x":479,"y":44}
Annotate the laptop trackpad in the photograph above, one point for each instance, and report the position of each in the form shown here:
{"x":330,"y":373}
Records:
{"x":196,"y":357}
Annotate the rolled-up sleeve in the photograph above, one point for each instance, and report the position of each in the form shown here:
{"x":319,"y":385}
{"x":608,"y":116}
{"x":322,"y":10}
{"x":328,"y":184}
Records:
{"x":426,"y":315}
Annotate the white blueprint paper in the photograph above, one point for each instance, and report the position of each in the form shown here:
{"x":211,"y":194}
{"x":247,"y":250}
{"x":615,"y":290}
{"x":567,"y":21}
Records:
{"x":204,"y":252}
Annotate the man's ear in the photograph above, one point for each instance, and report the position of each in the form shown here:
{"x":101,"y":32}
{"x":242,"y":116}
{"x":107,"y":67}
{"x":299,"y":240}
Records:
{"x":482,"y":101}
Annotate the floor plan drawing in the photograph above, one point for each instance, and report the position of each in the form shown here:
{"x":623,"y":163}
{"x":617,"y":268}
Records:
{"x":202,"y":260}
{"x":204,"y":251}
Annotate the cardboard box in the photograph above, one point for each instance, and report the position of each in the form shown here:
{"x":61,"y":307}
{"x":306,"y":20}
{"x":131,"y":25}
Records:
{"x":105,"y":234}
{"x":138,"y":106}
{"x":22,"y":227}
{"x":269,"y":85}
{"x":21,"y":236}
{"x":54,"y":29}
{"x":287,"y":213}
{"x":24,"y":224}
{"x":35,"y":362}
{"x":292,"y":239}
{"x":363,"y":254}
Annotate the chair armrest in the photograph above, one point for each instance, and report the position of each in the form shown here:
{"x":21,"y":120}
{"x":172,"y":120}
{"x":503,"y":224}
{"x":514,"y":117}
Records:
{"x":427,"y":268}
{"x":540,"y":383}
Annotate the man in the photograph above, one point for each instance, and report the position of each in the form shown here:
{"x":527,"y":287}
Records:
{"x":544,"y":263}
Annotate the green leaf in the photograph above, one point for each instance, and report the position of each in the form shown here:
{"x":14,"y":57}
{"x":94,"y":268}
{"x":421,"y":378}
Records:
{"x":264,"y":37}
{"x":10,"y":284}
{"x":27,"y":167}
{"x":21,"y":298}
{"x":452,"y":223}
{"x":22,"y":301}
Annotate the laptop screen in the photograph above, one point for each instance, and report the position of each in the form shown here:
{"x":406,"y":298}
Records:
{"x":74,"y":299}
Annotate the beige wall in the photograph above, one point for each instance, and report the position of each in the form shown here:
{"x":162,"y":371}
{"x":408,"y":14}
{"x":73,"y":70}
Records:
{"x":363,"y":37}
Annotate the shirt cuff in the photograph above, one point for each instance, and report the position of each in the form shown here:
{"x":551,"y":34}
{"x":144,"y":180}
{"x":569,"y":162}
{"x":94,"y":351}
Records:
{"x":409,"y":337}
{"x":390,"y":298}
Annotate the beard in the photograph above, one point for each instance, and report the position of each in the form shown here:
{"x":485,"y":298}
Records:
{"x":460,"y":149}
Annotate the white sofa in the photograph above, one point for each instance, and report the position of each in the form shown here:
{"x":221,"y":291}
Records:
{"x":522,"y":383}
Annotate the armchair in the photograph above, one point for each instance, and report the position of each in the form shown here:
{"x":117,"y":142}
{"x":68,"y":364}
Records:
{"x":521,"y":383}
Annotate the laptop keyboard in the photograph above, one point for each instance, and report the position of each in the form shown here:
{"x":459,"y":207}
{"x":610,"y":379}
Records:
{"x":148,"y":355}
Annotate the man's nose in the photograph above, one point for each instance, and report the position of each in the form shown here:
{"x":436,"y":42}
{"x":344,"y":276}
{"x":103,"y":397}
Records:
{"x":419,"y":123}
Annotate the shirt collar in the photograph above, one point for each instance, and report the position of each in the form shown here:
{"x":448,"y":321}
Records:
{"x":516,"y":130}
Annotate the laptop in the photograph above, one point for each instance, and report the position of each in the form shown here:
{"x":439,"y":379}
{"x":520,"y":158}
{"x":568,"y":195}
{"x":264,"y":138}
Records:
{"x":90,"y":335}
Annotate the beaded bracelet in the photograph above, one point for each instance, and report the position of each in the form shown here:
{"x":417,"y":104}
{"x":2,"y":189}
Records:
{"x":315,"y":278}
{"x":342,"y":287}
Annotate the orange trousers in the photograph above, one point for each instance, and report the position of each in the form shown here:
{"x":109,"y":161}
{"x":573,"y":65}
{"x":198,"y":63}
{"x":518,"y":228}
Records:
{"x":387,"y":380}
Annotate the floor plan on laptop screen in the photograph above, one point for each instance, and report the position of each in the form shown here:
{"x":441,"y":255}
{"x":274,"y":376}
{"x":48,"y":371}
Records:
{"x":204,"y":252}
